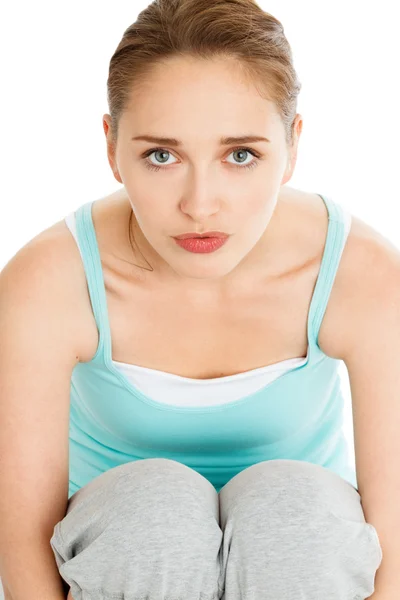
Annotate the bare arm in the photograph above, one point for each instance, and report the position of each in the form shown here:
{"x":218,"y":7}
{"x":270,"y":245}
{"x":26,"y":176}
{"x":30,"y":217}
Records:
{"x":37,"y":356}
{"x":40,"y":575}
{"x":7,"y":595}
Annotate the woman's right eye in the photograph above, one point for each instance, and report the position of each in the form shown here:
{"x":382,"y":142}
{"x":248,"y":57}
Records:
{"x":151,"y":165}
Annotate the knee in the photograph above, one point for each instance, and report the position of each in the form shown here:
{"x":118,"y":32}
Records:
{"x":289,"y":483}
{"x":305,"y":523}
{"x":160,"y":474}
{"x":300,"y":503}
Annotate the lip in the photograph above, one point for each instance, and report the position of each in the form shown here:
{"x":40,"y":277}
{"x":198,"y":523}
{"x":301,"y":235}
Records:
{"x":202,"y":245}
{"x":210,"y":234}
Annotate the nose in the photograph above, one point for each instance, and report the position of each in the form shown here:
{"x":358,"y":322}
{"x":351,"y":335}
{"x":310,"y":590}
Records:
{"x":201,"y":201}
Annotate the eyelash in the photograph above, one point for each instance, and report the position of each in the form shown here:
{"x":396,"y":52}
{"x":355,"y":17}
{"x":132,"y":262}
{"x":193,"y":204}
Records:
{"x":254,"y":163}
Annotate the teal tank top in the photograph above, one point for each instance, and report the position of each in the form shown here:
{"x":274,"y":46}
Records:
{"x":298,"y":415}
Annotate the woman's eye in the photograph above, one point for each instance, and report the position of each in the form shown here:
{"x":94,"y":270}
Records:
{"x":240,"y":155}
{"x":161,"y":155}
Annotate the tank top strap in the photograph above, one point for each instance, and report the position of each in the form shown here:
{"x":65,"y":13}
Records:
{"x":334,"y":245}
{"x":94,"y":273}
{"x":333,"y":249}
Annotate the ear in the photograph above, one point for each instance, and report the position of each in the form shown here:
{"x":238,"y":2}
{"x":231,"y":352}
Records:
{"x":292,"y":158}
{"x":111,"y":147}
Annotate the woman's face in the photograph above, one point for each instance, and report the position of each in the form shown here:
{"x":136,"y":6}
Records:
{"x":199,"y":184}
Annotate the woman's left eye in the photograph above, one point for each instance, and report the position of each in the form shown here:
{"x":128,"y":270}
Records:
{"x":153,"y":167}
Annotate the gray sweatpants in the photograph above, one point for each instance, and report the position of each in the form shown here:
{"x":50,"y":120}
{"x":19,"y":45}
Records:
{"x":155,"y":529}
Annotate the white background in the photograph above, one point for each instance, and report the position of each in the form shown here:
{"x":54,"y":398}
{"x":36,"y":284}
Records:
{"x":54,"y":67}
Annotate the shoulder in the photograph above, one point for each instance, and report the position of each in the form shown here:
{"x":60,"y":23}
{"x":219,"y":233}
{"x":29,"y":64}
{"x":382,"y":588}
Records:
{"x":48,"y":271}
{"x":367,"y":277}
{"x":47,"y":255}
{"x":55,"y":252}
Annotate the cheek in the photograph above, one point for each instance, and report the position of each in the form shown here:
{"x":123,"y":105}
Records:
{"x":256,"y":209}
{"x":155,"y":218}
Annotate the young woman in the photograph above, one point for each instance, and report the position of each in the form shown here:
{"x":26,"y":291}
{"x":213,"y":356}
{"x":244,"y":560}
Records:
{"x":171,"y":412}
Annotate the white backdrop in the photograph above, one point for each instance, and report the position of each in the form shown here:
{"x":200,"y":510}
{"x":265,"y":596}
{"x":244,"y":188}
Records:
{"x":54,"y":66}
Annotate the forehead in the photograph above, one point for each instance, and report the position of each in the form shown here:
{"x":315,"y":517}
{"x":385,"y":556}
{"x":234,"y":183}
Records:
{"x":210,"y":91}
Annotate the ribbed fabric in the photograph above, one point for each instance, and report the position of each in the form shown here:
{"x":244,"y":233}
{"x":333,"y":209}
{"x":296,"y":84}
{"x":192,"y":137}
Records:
{"x":297,"y":414}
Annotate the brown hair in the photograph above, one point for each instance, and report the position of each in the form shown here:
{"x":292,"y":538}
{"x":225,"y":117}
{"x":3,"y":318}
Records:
{"x":204,"y":29}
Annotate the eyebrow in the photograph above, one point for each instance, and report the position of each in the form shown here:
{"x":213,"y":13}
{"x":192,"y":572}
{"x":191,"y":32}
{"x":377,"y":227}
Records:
{"x":224,"y":141}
